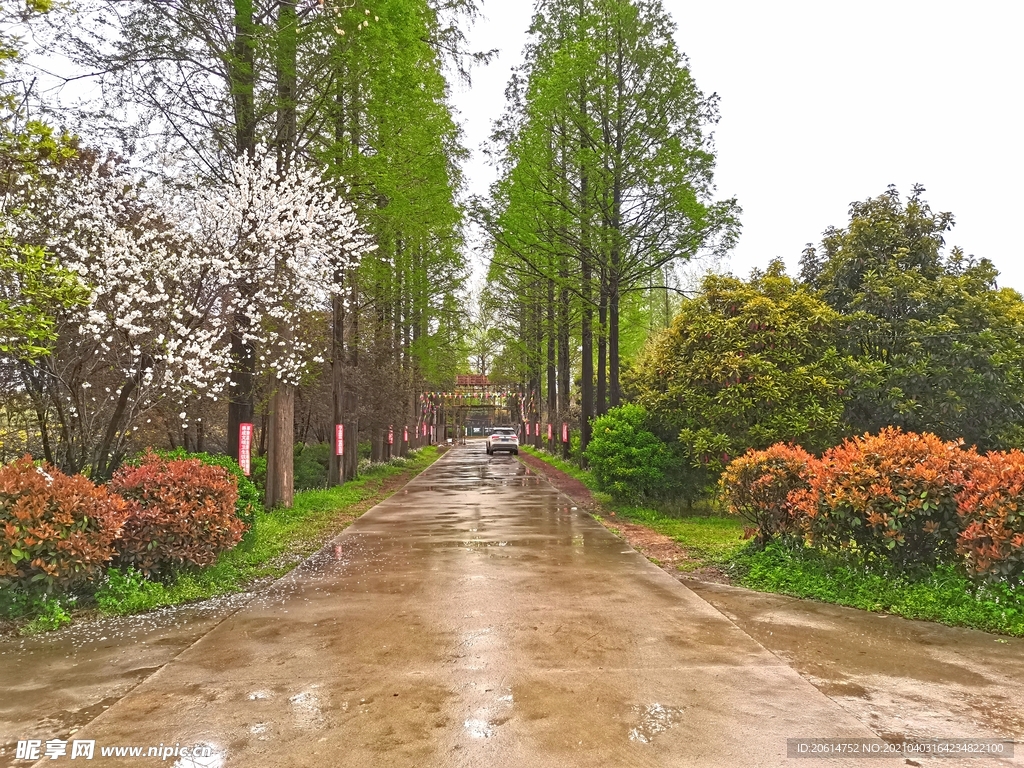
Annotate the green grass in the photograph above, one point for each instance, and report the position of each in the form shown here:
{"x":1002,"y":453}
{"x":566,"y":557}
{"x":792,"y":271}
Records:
{"x":277,"y":542}
{"x":711,"y":539}
{"x":943,"y":595}
{"x":568,"y":467}
{"x":708,"y":538}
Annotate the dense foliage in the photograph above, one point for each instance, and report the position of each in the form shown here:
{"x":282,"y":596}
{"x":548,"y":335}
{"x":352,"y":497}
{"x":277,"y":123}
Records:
{"x":59,"y":531}
{"x":627,"y":460}
{"x":311,"y":464}
{"x":250,"y":497}
{"x":891,"y":495}
{"x":912,"y":502}
{"x":745,"y":364}
{"x":181,"y":513}
{"x":938,"y":347}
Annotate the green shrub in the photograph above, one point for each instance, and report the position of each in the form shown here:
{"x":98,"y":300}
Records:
{"x":127,"y":591}
{"x":56,"y":531}
{"x":51,"y":612}
{"x":182,"y":512}
{"x":759,"y":485}
{"x":311,"y":466}
{"x":250,"y":492}
{"x":627,"y":460}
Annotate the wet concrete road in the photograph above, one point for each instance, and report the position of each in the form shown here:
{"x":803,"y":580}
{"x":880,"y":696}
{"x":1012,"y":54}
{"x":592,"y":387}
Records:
{"x":477,"y":619}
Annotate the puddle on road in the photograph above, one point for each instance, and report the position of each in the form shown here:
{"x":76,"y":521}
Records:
{"x":307,"y":709}
{"x":653,"y":719}
{"x":478,"y":729}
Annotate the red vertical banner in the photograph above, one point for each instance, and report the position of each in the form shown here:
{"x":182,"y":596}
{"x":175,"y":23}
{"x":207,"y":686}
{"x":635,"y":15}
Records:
{"x":565,"y":432}
{"x":527,"y":429}
{"x":339,"y":439}
{"x":424,"y":429}
{"x":405,"y":435}
{"x":245,"y":448}
{"x":391,"y":435}
{"x":551,"y":432}
{"x":536,"y":429}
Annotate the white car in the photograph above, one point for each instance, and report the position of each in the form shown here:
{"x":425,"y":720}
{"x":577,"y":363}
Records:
{"x":502,"y":439}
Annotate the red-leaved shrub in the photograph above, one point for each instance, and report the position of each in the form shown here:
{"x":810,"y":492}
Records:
{"x":182,"y":512}
{"x":892,"y":495}
{"x":759,"y":486}
{"x":992,"y":511}
{"x":58,"y":531}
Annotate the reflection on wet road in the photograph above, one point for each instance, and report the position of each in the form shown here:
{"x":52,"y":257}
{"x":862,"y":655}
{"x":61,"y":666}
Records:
{"x":476,"y":619}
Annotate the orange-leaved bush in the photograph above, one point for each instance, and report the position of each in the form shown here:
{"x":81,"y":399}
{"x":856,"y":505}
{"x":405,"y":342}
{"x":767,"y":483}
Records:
{"x":992,"y":511}
{"x":182,"y":512}
{"x":58,"y":531}
{"x":892,"y":495}
{"x":759,"y":487}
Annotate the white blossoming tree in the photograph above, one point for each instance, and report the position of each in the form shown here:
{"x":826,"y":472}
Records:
{"x":152,"y":329}
{"x":287,"y":236}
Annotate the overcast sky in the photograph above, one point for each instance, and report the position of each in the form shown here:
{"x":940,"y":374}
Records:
{"x":824,"y":103}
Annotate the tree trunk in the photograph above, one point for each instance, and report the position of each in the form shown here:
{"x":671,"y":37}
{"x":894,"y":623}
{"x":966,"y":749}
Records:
{"x":587,"y":363}
{"x":280,"y":459}
{"x":601,"y":407}
{"x":352,"y":388}
{"x":552,"y":370}
{"x":242,"y":78}
{"x":614,"y":390}
{"x":280,"y":462}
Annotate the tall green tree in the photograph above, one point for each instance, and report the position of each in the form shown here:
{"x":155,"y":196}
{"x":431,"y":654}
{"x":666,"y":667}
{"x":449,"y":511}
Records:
{"x":607,"y":170}
{"x":745,"y":364}
{"x":939,"y":346}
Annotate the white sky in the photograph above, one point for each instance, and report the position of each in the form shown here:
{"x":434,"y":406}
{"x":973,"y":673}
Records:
{"x":826,"y":102}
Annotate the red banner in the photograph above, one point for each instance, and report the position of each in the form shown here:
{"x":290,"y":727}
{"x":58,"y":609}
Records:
{"x":339,"y":439}
{"x":391,"y":435}
{"x":527,"y":429}
{"x":537,"y":429}
{"x":245,"y":448}
{"x":405,"y":435}
{"x":565,"y":432}
{"x":551,"y":432}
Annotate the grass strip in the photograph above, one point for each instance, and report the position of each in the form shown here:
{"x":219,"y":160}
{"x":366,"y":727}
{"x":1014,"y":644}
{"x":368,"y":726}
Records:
{"x":942,"y":595}
{"x":277,"y":542}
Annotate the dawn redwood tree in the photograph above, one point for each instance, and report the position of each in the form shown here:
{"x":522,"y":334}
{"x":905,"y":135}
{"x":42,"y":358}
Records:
{"x":606,"y":160}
